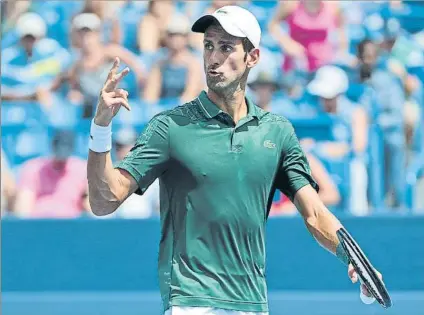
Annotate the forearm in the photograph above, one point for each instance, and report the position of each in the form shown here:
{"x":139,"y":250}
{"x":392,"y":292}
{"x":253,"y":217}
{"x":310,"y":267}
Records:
{"x":103,"y":184}
{"x":323,"y":226}
{"x":320,"y":222}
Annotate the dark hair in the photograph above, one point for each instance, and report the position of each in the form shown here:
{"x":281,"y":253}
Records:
{"x":247,"y":45}
{"x":361,"y":46}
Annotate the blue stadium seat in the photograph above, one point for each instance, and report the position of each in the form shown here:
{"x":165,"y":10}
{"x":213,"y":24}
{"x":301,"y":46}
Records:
{"x":130,"y":16}
{"x":23,"y":143}
{"x":21,"y":113}
{"x":137,"y":115}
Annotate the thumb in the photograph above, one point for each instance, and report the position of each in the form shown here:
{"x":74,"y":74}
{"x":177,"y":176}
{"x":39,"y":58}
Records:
{"x":352,"y":274}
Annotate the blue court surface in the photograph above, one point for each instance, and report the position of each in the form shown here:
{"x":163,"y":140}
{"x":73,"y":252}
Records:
{"x":138,"y":303}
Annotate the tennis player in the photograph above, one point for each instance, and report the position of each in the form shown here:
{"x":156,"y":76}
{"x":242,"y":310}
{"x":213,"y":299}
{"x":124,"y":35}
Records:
{"x":219,"y":160}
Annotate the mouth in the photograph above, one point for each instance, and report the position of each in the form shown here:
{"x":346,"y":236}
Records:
{"x":214,"y":73}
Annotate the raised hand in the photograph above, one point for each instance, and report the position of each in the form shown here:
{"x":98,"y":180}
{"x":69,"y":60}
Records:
{"x":111,"y":99}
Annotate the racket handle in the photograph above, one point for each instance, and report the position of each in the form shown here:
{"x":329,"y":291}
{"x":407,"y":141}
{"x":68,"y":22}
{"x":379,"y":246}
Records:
{"x":366,"y":299}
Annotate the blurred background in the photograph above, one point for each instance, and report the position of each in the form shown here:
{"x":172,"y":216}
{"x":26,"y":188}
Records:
{"x":349,"y":75}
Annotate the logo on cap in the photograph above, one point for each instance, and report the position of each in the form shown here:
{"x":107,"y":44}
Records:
{"x":222,"y":11}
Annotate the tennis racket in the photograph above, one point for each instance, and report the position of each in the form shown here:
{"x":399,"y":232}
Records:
{"x":364,"y":269}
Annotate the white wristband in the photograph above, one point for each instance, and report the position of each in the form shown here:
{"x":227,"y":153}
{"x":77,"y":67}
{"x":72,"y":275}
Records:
{"x":100,"y":138}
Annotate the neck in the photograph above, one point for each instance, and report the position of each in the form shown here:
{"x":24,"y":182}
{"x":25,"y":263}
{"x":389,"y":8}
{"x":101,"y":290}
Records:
{"x":233,"y":104}
{"x":176,"y":55}
{"x":59,"y":164}
{"x":264,"y":106}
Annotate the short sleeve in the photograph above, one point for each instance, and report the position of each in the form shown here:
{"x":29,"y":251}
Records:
{"x":294,"y":171}
{"x":149,"y":157}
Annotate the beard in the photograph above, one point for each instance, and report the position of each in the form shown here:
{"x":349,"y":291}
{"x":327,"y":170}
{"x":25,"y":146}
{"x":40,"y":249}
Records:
{"x":222,"y":85}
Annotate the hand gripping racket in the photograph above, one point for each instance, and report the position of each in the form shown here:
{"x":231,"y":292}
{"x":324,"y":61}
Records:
{"x":364,"y":269}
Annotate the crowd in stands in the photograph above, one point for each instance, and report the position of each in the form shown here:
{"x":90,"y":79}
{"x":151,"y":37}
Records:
{"x":348,"y":74}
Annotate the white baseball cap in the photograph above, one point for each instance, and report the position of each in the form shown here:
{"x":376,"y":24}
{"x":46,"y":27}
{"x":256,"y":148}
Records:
{"x":87,"y":20}
{"x":235,"y":20}
{"x":329,"y":82}
{"x":179,"y":24}
{"x":31,"y":24}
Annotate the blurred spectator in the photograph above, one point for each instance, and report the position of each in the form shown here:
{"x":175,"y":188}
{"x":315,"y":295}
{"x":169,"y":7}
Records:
{"x":10,"y":12}
{"x":349,"y":131}
{"x":8,"y":186}
{"x":179,"y":73}
{"x":136,"y":206}
{"x":388,"y":114}
{"x":315,"y":33}
{"x":110,"y":29}
{"x":87,"y":75}
{"x":264,"y":89}
{"x":33,"y":62}
{"x":152,"y":28}
{"x":56,"y":186}
{"x":328,"y":191}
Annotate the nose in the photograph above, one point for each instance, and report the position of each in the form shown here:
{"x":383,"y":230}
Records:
{"x":214,"y":58}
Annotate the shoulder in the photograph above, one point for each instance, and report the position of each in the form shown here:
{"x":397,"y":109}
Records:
{"x":190,"y":110}
{"x":271,"y":118}
{"x":35,"y":165}
{"x":10,"y":54}
{"x":48,"y":46}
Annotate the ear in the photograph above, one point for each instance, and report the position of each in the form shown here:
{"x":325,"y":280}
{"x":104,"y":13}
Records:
{"x":253,"y":58}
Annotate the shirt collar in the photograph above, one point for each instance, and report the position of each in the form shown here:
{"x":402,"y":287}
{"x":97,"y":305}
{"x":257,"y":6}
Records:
{"x":211,"y":110}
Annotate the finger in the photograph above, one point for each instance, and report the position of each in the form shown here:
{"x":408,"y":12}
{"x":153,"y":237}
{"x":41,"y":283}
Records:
{"x":121,"y":93}
{"x":352,"y":274}
{"x":121,"y":101}
{"x":118,"y":93}
{"x":365,"y":291}
{"x":114,"y":68}
{"x":114,"y":81}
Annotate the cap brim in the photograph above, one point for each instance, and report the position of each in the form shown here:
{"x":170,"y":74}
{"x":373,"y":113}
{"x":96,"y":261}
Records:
{"x":321,"y":90}
{"x":205,"y":21}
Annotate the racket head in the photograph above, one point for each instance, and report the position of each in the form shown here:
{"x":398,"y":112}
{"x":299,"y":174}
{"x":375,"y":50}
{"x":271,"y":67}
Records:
{"x":364,"y":269}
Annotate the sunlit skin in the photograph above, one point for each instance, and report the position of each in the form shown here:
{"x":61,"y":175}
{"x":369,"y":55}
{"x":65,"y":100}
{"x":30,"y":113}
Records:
{"x":370,"y":54}
{"x":227,"y":67}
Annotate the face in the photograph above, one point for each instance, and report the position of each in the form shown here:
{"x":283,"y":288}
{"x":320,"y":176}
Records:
{"x":176,"y":42}
{"x":226,"y":64}
{"x":370,"y":54}
{"x":329,"y":104}
{"x":28,"y":42}
{"x":312,"y":5}
{"x":62,"y":150}
{"x":89,"y":39}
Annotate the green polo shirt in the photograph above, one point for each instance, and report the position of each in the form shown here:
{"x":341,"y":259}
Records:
{"x":217,"y":180}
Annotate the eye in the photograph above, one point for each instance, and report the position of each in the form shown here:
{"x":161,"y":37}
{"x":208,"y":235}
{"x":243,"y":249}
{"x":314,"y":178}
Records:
{"x":227,"y":48}
{"x":208,"y":46}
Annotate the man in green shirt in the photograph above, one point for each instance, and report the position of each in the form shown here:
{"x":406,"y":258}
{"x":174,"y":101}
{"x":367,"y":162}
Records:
{"x":219,"y":160}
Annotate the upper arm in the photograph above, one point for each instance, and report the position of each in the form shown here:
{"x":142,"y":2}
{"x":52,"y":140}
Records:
{"x":360,"y":130}
{"x":148,"y":159}
{"x":153,"y":85}
{"x":148,"y":35}
{"x":193,"y":83}
{"x":284,"y":9}
{"x":294,"y":171}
